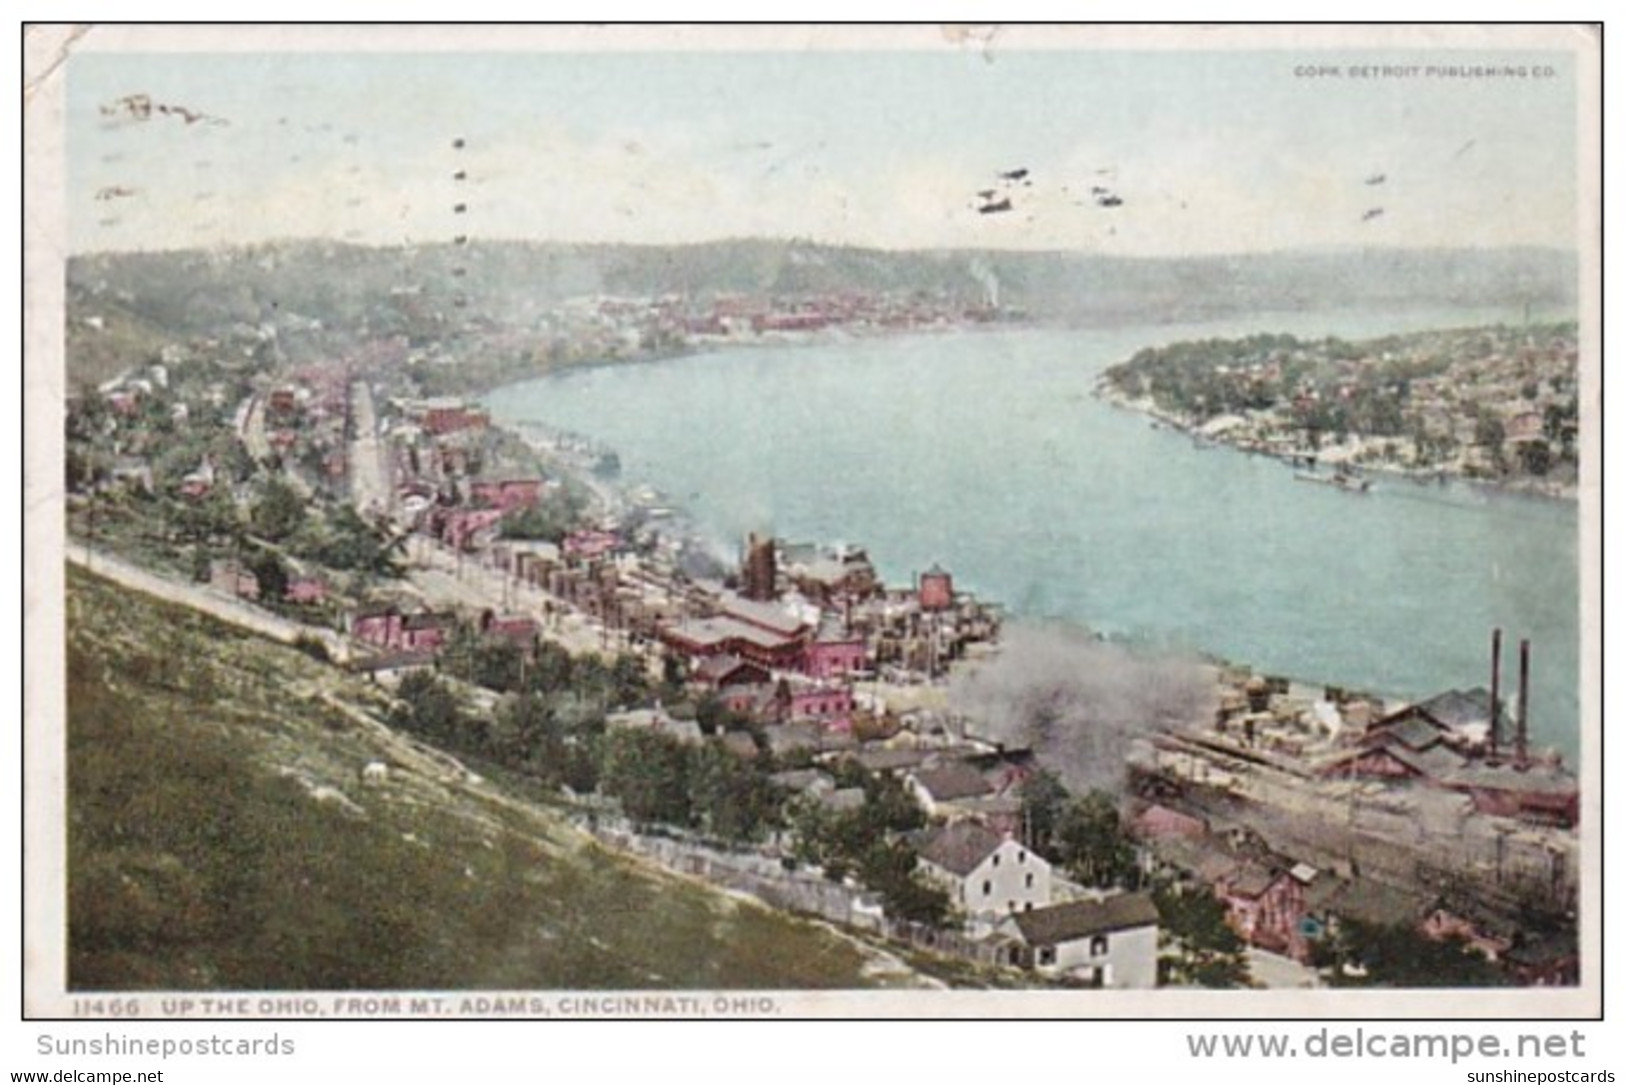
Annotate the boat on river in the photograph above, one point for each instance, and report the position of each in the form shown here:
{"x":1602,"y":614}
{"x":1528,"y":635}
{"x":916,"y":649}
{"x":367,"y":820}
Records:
{"x":1343,"y":480}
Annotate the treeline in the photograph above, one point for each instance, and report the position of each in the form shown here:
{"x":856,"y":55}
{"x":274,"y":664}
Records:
{"x":552,"y":728}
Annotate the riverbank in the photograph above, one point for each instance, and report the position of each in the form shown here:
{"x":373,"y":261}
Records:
{"x":987,"y":454}
{"x":1362,"y":456}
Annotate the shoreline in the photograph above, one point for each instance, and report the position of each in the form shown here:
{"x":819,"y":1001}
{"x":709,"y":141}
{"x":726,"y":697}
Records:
{"x":623,"y":495}
{"x":833,"y":336}
{"x":678,"y":524}
{"x":1560,"y":493}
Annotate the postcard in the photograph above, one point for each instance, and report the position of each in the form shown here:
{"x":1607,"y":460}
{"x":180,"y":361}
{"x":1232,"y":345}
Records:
{"x":712,"y":522}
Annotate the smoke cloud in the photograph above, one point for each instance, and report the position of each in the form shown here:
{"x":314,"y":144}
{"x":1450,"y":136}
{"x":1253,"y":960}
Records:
{"x":1078,"y":701}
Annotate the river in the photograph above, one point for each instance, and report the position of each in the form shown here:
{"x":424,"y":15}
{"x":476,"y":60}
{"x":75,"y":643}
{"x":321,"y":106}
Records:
{"x":985,"y":451}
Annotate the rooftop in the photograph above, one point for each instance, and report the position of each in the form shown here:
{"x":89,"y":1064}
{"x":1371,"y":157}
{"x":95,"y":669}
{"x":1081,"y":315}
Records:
{"x":842,"y":799}
{"x":1460,"y":709}
{"x":952,"y":781}
{"x":960,"y":847}
{"x":1084,"y":918}
{"x":716,"y":668}
{"x":768,"y":616}
{"x":713,"y":631}
{"x":1414,"y":731}
{"x":804,"y":780}
{"x":1368,"y":901}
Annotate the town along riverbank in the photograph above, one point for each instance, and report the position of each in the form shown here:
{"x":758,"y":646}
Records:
{"x":991,"y":455}
{"x":1495,"y":405}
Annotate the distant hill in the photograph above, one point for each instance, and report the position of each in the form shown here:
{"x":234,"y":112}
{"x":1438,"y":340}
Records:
{"x":219,"y":838}
{"x":196,"y":292}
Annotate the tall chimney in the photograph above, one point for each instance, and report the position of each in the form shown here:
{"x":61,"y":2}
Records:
{"x":1495,"y":693}
{"x":1523,"y":705}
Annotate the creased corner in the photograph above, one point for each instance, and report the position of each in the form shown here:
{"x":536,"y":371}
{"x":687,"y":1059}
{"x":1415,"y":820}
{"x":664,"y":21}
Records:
{"x":45,"y":50}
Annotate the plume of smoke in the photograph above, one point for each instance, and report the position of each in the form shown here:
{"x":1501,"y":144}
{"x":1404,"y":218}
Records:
{"x":1080,"y":702}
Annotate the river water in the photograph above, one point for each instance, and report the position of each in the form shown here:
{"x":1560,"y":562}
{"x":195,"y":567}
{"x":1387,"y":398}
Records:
{"x":985,"y":451}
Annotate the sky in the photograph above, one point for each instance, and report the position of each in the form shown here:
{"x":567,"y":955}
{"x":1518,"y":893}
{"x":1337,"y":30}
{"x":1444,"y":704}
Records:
{"x":1217,"y":150}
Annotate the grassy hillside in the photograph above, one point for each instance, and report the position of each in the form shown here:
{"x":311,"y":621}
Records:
{"x":219,"y":837}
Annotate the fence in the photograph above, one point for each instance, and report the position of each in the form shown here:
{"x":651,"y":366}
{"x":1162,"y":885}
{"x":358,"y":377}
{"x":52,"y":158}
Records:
{"x":765,"y":877}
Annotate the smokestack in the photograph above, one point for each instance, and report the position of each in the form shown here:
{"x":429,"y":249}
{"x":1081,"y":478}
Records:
{"x":1495,"y":693}
{"x":1523,"y":705}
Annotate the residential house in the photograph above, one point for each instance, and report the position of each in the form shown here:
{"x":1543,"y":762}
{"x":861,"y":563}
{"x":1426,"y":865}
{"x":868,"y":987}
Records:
{"x":1111,"y":942}
{"x":1155,"y":822}
{"x":390,"y":668}
{"x":393,"y":631}
{"x":804,"y":781}
{"x":1265,"y":896}
{"x":740,"y":685}
{"x":305,"y":589}
{"x":234,"y":577}
{"x":517,"y":629}
{"x":1265,"y":905}
{"x":937,"y":788}
{"x":1006,"y":768}
{"x":657,"y":721}
{"x":786,"y":738}
{"x":984,"y":873}
{"x":892,"y":760}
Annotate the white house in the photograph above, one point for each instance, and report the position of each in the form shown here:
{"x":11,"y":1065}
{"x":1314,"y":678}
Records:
{"x":985,"y":873}
{"x":1110,"y":942}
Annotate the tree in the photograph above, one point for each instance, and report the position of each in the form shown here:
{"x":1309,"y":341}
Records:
{"x":428,"y":709}
{"x":550,"y":520}
{"x":1489,"y":432}
{"x":279,"y":512}
{"x":716,"y":718}
{"x":888,"y":807}
{"x":628,"y":680}
{"x":551,"y":670}
{"x":1205,"y":950}
{"x":889,"y":867}
{"x":351,"y":543}
{"x":271,"y":575}
{"x":1043,"y":796}
{"x":1535,"y":457}
{"x":649,"y":773}
{"x":673,"y":673}
{"x":730,"y":799}
{"x":1090,"y":841}
{"x":809,"y":832}
{"x":1398,"y":955}
{"x":211,"y":517}
{"x":528,"y":735}
{"x":498,"y":664}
